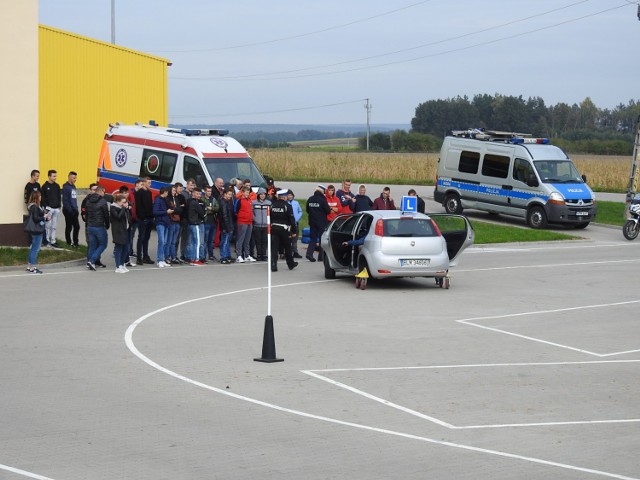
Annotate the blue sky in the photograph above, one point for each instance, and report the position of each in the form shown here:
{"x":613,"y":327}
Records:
{"x":312,"y":62}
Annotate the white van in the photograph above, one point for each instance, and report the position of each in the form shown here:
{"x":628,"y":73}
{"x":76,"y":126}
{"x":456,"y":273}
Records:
{"x":513,"y":174}
{"x":169,"y":155}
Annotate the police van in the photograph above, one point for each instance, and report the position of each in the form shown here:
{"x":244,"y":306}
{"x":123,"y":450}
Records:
{"x":513,"y":174}
{"x":168,"y":155}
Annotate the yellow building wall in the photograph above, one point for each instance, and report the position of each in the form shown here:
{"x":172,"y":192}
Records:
{"x":84,"y":85}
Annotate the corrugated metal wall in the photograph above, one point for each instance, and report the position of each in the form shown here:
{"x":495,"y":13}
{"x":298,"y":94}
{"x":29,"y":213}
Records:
{"x":84,"y":85}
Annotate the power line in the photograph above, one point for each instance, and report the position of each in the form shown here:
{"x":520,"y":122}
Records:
{"x":282,"y":39}
{"x":202,"y":115}
{"x":481,"y":44}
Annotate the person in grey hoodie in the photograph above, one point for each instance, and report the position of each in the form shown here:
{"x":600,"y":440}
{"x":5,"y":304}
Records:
{"x":259,"y":207}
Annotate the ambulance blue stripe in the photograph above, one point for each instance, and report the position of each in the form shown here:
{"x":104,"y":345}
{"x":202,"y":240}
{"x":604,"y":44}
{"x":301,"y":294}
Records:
{"x":129,"y":179}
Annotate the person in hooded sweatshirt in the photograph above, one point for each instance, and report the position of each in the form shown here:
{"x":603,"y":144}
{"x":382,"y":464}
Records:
{"x":317,"y":209}
{"x":97,"y":225}
{"x":120,"y":214}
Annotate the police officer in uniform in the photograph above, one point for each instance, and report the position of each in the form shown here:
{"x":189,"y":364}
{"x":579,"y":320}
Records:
{"x":317,"y":209}
{"x":283,"y":226}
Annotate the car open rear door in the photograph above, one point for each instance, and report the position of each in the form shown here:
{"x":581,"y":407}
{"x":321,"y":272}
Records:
{"x":457,"y":231}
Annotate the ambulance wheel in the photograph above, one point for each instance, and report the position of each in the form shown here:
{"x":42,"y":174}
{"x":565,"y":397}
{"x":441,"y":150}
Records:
{"x":329,"y":273}
{"x":452,"y":203}
{"x":446,"y":283}
{"x":536,"y":217}
{"x":358,"y":282}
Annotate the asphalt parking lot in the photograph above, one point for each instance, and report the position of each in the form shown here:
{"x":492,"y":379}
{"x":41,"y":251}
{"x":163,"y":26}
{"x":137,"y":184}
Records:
{"x":525,"y":369}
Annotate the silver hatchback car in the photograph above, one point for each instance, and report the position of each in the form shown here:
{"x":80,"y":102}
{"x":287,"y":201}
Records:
{"x":390,"y":243}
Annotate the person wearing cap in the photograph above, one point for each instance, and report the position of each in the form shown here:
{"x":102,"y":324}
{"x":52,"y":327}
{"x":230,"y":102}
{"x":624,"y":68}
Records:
{"x":260,"y":206}
{"x":283,"y":227}
{"x":297,"y":214}
{"x":317,"y":209}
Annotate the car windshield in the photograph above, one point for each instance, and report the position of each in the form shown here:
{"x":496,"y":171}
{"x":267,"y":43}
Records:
{"x":228,"y":168}
{"x":409,"y":227}
{"x":557,"y":171}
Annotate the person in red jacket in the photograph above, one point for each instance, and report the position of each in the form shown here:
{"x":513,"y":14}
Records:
{"x":244,"y":222}
{"x":333,"y":201}
{"x":384,"y":201}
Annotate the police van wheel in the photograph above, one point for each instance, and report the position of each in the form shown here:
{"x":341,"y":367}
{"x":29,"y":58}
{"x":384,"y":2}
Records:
{"x":537,"y":218}
{"x":329,"y":273}
{"x":452,"y":203}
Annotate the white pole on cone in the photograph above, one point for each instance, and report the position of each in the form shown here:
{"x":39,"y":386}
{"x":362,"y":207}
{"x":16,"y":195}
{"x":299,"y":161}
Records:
{"x":268,"y":260}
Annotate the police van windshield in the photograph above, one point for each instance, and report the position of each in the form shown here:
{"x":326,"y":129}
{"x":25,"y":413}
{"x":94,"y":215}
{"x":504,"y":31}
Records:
{"x":557,"y":171}
{"x":228,"y":168}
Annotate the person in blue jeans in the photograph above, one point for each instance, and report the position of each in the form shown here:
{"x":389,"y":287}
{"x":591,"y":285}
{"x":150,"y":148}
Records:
{"x":37,"y":214}
{"x":195,"y":216}
{"x":97,"y":225}
{"x":161,"y":212}
{"x":226,"y":225}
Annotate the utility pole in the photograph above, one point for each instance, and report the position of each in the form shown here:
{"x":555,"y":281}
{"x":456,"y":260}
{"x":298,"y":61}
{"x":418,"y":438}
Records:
{"x":368,"y":106}
{"x":113,"y":21}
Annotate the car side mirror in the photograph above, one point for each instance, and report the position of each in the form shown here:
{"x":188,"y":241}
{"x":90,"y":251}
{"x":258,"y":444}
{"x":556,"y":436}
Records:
{"x":532,"y":181}
{"x":584,"y":178}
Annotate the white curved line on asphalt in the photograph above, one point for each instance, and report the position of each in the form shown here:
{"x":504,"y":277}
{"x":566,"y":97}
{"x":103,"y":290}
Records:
{"x":128,"y":337}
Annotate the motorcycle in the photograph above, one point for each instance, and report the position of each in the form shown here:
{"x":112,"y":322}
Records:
{"x":631,"y":227}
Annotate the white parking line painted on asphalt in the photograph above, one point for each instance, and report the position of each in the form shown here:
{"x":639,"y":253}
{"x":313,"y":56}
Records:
{"x":315,"y":374}
{"x":550,"y":265}
{"x":473,"y":322}
{"x":24,"y":473}
{"x":128,"y":338}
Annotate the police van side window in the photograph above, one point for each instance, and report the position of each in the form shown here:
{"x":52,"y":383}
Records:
{"x":522,"y":170}
{"x":495,"y":166}
{"x":192,"y":169}
{"x":469,"y":162}
{"x":158,"y":165}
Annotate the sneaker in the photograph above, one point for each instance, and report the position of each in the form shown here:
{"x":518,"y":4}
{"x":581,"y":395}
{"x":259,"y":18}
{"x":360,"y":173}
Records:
{"x":124,"y":269}
{"x":297,"y":255}
{"x":91,"y":266}
{"x":213,"y":258}
{"x":310,"y":258}
{"x":148,"y":261}
{"x":293,"y":265}
{"x":196,"y":263}
{"x":55,"y":245}
{"x":100,"y":264}
{"x":34,"y":270}
{"x":251,"y":259}
{"x":161,"y":264}
{"x":239,"y":259}
{"x":129,"y":264}
{"x":120,"y":270}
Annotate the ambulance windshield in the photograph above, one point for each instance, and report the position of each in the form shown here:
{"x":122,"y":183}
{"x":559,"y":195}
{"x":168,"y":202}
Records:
{"x":228,"y":168}
{"x":557,"y":171}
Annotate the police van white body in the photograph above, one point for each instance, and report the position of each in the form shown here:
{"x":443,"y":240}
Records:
{"x":512,"y":174}
{"x":168,"y":155}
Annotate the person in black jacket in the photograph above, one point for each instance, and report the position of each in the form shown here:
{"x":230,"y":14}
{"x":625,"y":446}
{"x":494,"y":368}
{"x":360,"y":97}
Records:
{"x":144,"y":212}
{"x":51,"y":202}
{"x":227,"y":225}
{"x":317,"y":209}
{"x":97,"y":225}
{"x":283,"y":227}
{"x":120,"y":214}
{"x":421,"y":204}
{"x":195,"y":217}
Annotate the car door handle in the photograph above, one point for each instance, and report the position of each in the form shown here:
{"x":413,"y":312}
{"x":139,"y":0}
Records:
{"x":507,"y":187}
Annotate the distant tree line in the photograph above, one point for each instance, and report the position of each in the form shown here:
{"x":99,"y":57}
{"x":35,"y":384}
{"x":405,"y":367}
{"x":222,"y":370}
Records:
{"x":578,"y":128}
{"x":261,"y":139}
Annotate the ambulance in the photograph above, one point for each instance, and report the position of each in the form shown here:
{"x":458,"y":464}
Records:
{"x":168,"y":155}
{"x":515,"y":174}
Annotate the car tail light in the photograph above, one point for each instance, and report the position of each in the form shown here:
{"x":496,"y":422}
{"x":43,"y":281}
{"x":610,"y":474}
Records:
{"x":435,"y":227}
{"x":379,"y":231}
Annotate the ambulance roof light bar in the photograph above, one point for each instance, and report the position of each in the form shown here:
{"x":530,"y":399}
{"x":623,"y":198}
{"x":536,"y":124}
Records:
{"x":204,"y":131}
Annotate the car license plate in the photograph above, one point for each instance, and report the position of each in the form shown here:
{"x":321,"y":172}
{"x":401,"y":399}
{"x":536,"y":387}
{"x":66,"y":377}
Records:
{"x":414,"y":262}
{"x":582,"y":214}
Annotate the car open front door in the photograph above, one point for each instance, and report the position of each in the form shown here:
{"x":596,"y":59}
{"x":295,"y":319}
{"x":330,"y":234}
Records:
{"x":457,"y":231}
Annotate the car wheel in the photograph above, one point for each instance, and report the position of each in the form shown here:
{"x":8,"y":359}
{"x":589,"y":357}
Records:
{"x":329,"y":273}
{"x":536,"y":217}
{"x":452,"y":203}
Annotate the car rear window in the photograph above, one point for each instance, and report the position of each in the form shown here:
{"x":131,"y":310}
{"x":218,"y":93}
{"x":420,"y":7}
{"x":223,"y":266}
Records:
{"x":409,"y":227}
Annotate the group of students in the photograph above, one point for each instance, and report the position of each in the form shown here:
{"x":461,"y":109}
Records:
{"x":189,"y":222}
